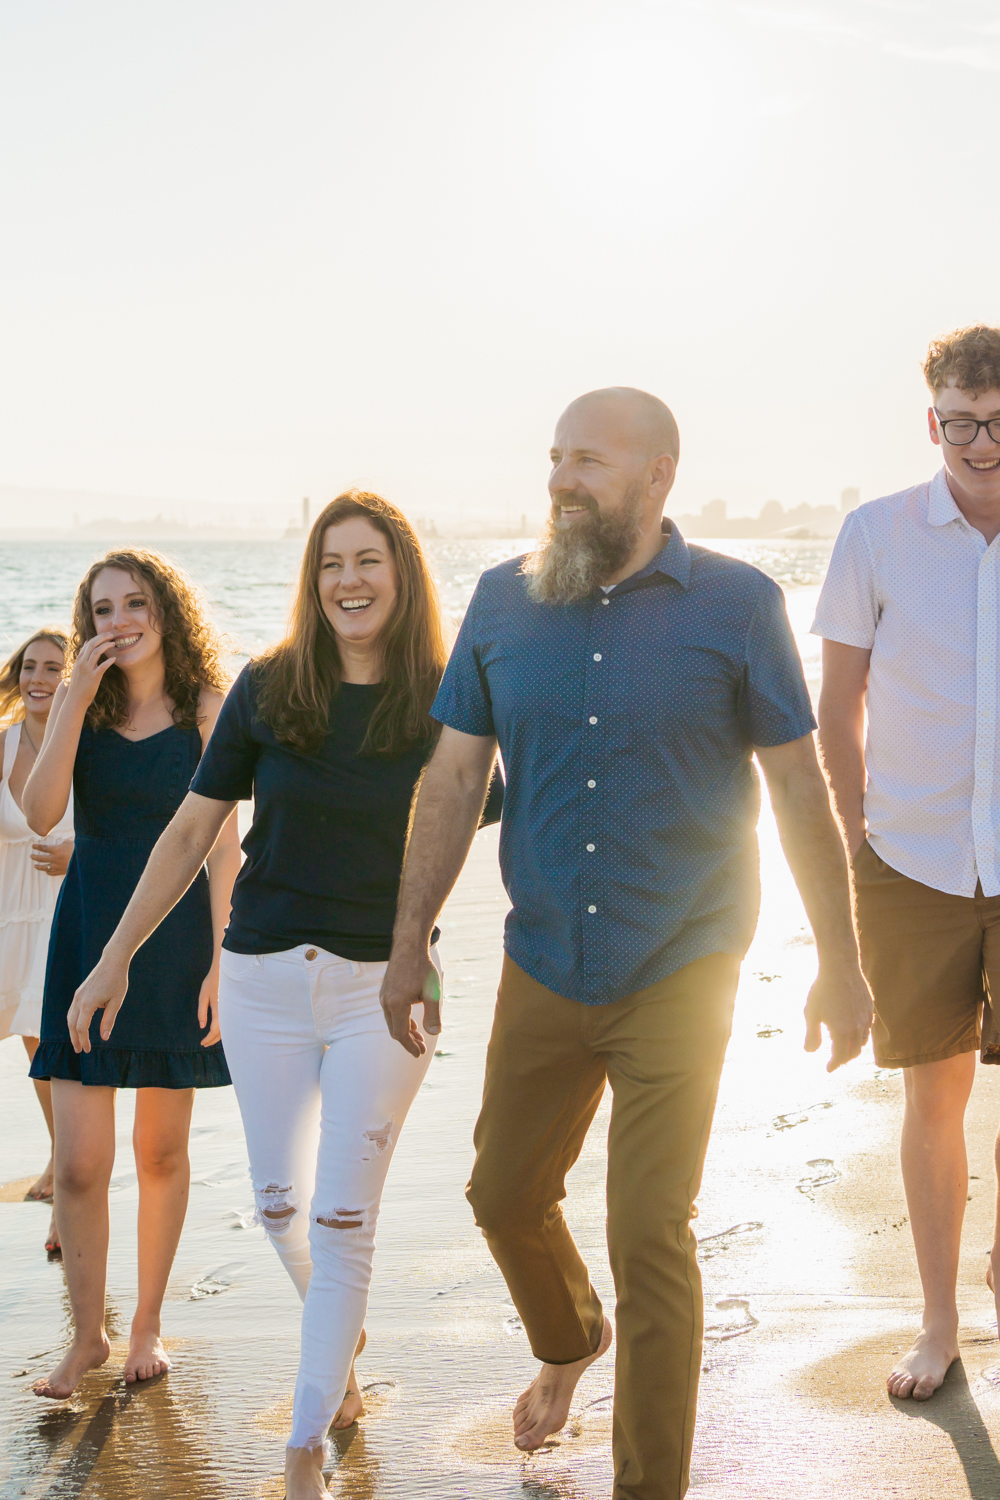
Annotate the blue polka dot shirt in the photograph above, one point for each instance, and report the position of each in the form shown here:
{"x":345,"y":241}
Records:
{"x":627,"y":723}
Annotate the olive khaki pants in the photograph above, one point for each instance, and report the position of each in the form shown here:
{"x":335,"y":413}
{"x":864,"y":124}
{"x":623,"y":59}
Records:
{"x":662,"y":1050}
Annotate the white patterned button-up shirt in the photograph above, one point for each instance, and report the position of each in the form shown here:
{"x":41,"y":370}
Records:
{"x":914,"y":582}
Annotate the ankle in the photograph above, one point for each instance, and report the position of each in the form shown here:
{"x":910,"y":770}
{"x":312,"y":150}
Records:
{"x":146,"y":1326}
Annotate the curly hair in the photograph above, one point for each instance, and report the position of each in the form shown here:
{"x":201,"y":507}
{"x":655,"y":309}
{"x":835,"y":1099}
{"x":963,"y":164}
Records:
{"x":192,"y":648}
{"x":298,"y":678}
{"x":967,"y":357}
{"x":11,"y":704}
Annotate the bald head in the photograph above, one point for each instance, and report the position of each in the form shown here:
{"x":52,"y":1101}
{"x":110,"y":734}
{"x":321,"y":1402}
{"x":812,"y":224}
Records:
{"x":640,"y":421}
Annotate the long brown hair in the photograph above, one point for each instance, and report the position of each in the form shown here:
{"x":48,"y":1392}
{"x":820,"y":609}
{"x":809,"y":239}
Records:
{"x":11,"y":702}
{"x":192,"y":649}
{"x":298,"y":678}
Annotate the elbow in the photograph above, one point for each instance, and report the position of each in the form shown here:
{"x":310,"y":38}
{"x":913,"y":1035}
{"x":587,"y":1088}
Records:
{"x":36,"y":819}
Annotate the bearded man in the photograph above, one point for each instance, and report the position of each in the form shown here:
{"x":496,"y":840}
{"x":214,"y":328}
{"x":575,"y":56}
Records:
{"x":629,"y":680}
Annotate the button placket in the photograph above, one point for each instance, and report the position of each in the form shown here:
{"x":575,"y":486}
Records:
{"x":598,"y":678}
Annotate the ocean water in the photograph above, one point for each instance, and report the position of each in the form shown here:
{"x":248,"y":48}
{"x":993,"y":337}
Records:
{"x":809,"y":1281}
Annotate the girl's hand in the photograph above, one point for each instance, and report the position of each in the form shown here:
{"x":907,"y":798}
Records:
{"x":52,"y":859}
{"x":103,"y":989}
{"x":208,"y":1007}
{"x":89,"y":668}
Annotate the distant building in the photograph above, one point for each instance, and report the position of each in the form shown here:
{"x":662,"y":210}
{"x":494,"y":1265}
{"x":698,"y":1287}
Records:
{"x":850,"y":499}
{"x":291,"y":529}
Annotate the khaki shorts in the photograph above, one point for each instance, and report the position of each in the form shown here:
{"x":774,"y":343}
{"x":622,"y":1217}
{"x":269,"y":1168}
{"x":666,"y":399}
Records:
{"x":930,"y":960}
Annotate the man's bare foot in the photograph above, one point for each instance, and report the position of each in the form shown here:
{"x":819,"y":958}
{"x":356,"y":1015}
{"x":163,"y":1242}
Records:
{"x":146,"y":1356}
{"x":990,"y":1278}
{"x":544,"y":1407}
{"x":41,"y":1191}
{"x":70,"y":1370}
{"x":304,"y":1474}
{"x":352,"y":1407}
{"x":922,"y":1369}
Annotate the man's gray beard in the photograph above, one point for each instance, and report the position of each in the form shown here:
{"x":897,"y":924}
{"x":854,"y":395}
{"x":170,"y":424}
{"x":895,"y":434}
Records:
{"x":571,"y":561}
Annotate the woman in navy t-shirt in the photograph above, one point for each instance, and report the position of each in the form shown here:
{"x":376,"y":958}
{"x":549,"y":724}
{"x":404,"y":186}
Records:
{"x":328,"y":732}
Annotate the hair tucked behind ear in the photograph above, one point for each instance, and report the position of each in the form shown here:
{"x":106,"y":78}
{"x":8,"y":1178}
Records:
{"x":11,"y":703}
{"x":192,"y":649}
{"x":298,"y":679}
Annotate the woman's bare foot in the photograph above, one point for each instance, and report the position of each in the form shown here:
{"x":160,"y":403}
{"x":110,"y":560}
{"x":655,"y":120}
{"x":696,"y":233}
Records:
{"x":352,"y":1407}
{"x":922,"y":1369}
{"x":146,"y":1356}
{"x":544,"y":1407}
{"x":304,"y":1474}
{"x":41,"y":1191}
{"x":52,"y":1244}
{"x":70,"y":1370}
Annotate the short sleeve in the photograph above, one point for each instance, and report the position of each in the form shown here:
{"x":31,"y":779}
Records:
{"x":848,"y":609}
{"x":775,"y":700}
{"x":463,"y":699}
{"x":226,"y":769}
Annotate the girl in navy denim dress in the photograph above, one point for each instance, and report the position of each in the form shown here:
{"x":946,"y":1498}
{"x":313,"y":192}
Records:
{"x":127,"y":732}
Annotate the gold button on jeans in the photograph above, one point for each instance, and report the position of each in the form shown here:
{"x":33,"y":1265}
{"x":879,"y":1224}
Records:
{"x":310,"y":953}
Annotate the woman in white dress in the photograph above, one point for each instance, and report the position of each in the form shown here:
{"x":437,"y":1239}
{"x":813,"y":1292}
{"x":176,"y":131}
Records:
{"x":31,"y":869}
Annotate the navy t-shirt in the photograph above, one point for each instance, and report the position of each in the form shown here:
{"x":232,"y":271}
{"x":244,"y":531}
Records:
{"x":324,"y":855}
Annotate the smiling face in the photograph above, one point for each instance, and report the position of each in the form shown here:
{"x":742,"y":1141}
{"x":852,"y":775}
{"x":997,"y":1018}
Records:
{"x":119,"y":604}
{"x":358,"y":582}
{"x":41,"y":673}
{"x":973,"y":468}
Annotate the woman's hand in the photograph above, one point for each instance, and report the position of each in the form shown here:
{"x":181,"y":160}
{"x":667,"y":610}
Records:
{"x":103,"y":989}
{"x":89,"y":668}
{"x":208,"y":1007}
{"x":52,"y":859}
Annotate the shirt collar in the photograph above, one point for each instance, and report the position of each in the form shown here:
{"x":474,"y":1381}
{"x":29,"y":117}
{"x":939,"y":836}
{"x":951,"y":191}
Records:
{"x":941,"y":507}
{"x":673,"y":559}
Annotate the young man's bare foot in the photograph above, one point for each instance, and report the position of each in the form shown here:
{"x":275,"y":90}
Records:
{"x":41,"y":1191}
{"x":352,"y":1407}
{"x":304,"y":1474}
{"x":146,"y":1356}
{"x":70,"y":1370}
{"x":544,"y":1407}
{"x":922,"y":1369}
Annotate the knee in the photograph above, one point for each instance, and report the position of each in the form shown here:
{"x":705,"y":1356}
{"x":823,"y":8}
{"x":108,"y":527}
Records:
{"x":277,"y":1209}
{"x":156,"y":1159}
{"x":500,"y":1207}
{"x":79,"y":1174}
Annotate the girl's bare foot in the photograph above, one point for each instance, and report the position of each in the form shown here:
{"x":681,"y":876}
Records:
{"x":922,"y":1369}
{"x":70,"y":1370}
{"x":352,"y":1407}
{"x":52,"y":1244}
{"x":304,"y":1474}
{"x":146,"y":1356}
{"x":544,"y":1407}
{"x":41,"y":1191}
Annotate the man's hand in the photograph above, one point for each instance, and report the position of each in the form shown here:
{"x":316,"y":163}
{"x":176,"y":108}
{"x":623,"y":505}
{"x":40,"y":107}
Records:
{"x":103,"y":989}
{"x":409,"y":979}
{"x":841,"y":1001}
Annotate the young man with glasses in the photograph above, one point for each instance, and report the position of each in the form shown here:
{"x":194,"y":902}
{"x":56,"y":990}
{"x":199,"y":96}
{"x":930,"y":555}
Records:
{"x":630,"y":681}
{"x":909,"y":613}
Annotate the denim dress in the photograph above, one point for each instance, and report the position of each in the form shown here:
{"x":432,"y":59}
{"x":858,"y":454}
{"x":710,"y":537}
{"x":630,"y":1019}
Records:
{"x":125,"y":793}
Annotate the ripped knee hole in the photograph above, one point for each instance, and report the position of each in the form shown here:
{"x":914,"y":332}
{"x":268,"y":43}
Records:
{"x":342,"y":1218}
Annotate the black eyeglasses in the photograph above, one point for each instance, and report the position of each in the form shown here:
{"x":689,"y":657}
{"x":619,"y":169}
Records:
{"x":958,"y":431}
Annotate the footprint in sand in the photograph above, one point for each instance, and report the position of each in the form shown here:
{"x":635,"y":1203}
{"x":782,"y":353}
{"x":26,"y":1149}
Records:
{"x":736,"y":1318}
{"x":798,"y":1117}
{"x":715,"y":1244}
{"x":823,"y":1173}
{"x":214,"y":1283}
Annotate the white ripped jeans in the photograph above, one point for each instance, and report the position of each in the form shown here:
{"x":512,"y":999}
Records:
{"x":323,"y":1090}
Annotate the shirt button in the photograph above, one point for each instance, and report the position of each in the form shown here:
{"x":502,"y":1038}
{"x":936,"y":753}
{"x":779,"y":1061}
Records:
{"x":605,"y":601}
{"x":591,"y":908}
{"x":590,"y":848}
{"x":591,"y":783}
{"x":597,"y":656}
{"x":593,"y":718}
{"x":310,"y":953}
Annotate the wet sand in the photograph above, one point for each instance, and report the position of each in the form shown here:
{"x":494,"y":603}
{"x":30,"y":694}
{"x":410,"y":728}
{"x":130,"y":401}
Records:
{"x":810,"y":1286}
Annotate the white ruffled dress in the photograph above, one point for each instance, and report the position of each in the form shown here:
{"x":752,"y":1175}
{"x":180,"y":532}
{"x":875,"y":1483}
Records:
{"x":27,"y":901}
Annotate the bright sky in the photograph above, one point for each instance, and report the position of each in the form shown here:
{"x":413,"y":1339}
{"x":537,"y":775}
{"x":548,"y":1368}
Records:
{"x":253,"y":250}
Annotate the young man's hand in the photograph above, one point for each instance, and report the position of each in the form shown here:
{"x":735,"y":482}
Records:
{"x":841,"y":1001}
